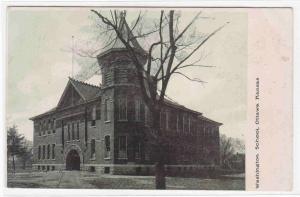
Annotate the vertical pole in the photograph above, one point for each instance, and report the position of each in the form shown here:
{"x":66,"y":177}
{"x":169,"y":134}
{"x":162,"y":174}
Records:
{"x":72,"y":56}
{"x":72,"y":99}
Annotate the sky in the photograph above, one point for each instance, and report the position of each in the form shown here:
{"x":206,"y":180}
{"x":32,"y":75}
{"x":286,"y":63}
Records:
{"x":39,"y":62}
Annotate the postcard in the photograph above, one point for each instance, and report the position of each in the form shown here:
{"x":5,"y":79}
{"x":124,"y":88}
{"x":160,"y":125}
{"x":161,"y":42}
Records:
{"x":149,"y":98}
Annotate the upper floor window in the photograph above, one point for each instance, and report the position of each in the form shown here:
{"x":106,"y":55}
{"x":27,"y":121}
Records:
{"x":163,"y":119}
{"x":189,"y":124}
{"x":137,"y":110}
{"x":77,"y":130}
{"x":122,"y":106}
{"x":167,"y":119}
{"x":147,"y":115}
{"x":185,"y":123}
{"x":73,"y":131}
{"x":122,"y":147}
{"x":40,"y":128}
{"x":68,"y":132}
{"x":93,"y":122}
{"x":49,"y":125}
{"x":39,"y":153}
{"x":44,"y":127}
{"x":54,"y":125}
{"x":106,"y":110}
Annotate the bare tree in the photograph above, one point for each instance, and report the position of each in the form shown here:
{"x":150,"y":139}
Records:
{"x":170,"y":48}
{"x":226,"y":150}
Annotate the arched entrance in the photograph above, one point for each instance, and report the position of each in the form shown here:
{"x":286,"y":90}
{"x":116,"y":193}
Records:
{"x":73,"y":160}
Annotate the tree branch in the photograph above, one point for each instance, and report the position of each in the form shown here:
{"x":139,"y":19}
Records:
{"x":201,"y":43}
{"x":187,"y":27}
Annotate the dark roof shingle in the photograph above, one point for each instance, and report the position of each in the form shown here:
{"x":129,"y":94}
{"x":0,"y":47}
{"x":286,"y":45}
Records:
{"x":87,"y":91}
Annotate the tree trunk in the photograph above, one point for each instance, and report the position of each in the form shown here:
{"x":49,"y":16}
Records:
{"x":14,"y":166}
{"x":160,"y":180}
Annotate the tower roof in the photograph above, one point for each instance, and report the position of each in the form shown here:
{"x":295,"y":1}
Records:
{"x":127,"y":34}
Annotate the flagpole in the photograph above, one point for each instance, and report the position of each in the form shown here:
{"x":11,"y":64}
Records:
{"x":72,"y":67}
{"x":72,"y":56}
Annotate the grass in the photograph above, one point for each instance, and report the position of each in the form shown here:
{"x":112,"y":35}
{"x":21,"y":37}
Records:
{"x":82,"y":180}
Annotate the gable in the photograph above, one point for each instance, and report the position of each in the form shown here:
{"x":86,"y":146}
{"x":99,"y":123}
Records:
{"x":70,"y":97}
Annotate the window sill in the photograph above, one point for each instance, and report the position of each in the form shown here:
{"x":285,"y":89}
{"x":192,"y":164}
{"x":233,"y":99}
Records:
{"x":107,"y":121}
{"x":93,"y":126}
{"x":93,"y":159}
{"x":107,"y":158}
{"x":123,"y":120}
{"x":123,"y":158}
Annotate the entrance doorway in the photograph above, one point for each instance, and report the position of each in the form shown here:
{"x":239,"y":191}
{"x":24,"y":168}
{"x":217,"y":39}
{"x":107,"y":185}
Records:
{"x":73,"y":160}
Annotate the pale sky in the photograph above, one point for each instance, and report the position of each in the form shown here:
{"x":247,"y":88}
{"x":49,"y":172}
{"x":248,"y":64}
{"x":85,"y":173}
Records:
{"x":39,"y":65}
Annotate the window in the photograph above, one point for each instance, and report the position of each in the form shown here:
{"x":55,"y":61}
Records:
{"x":44,"y":151}
{"x":93,"y":123}
{"x":185,"y":123}
{"x":189,"y":124}
{"x":107,"y":146}
{"x":98,"y":113}
{"x":49,"y":125}
{"x":69,"y":137}
{"x":147,"y":121}
{"x":172,"y":120}
{"x":77,"y":129}
{"x":137,"y":110}
{"x":44,"y":127}
{"x":106,"y":110}
{"x":48,"y":151}
{"x":147,"y":156}
{"x":122,"y":108}
{"x":122,"y":147}
{"x":93,"y":149}
{"x":73,"y":131}
{"x":163,"y":119}
{"x":142,"y":111}
{"x":106,"y":170}
{"x":137,"y":150}
{"x":39,"y":153}
{"x":53,"y":151}
{"x":167,"y":119}
{"x":54,"y":126}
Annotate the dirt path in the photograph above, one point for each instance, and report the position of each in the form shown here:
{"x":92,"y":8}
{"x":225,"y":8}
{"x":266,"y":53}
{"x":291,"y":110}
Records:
{"x":73,"y":179}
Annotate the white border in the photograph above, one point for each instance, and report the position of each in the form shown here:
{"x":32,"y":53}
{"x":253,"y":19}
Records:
{"x":84,"y":192}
